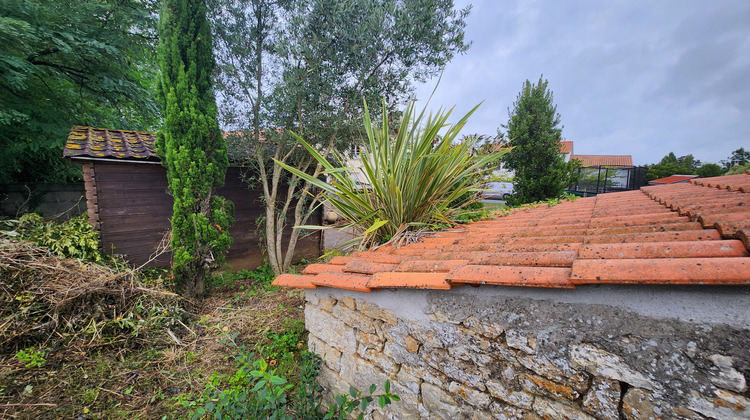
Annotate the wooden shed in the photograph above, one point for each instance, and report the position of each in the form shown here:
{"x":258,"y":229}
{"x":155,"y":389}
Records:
{"x":130,"y":206}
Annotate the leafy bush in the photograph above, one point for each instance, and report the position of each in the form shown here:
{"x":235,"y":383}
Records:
{"x":412,"y":176}
{"x":75,"y":238}
{"x":739,"y":169}
{"x":256,"y":392}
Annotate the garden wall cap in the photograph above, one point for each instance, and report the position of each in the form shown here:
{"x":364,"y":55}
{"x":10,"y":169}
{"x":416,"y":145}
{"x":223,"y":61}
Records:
{"x":104,"y":143}
{"x":694,"y":233}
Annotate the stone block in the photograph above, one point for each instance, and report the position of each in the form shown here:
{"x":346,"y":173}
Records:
{"x":312,"y":298}
{"x":439,"y":403}
{"x":520,"y":342}
{"x":490,"y":330}
{"x":360,"y":373}
{"x":331,"y":356}
{"x":382,"y":361}
{"x":503,"y":411}
{"x":349,"y":302}
{"x":603,"y":398}
{"x":461,"y":371}
{"x":725,"y":376}
{"x":558,"y":410}
{"x":353,"y":318}
{"x":332,"y":383}
{"x":411,"y":344}
{"x":601,"y":363}
{"x":516,"y":398}
{"x":327,"y":303}
{"x":723,"y":405}
{"x":442,"y":318}
{"x":425,"y":374}
{"x":544,"y":367}
{"x":376,"y":312}
{"x":470,"y":395}
{"x":429,"y":338}
{"x":330,"y":330}
{"x":538,"y":385}
{"x":368,"y":341}
{"x":408,"y":381}
{"x":639,"y":403}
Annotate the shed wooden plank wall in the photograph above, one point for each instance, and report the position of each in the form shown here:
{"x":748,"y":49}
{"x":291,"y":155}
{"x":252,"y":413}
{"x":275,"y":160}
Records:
{"x":133,"y":209}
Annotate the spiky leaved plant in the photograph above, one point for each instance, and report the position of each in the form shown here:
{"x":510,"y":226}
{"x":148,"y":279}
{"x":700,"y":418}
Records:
{"x":412,"y":176}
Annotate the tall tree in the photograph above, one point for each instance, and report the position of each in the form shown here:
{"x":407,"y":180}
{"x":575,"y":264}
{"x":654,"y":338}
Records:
{"x":191,"y":145}
{"x":738,"y":157}
{"x":306,"y":66}
{"x":534,"y":132}
{"x":61,"y":64}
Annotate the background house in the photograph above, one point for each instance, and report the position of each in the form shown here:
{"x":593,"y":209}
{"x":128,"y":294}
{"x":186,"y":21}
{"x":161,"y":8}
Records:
{"x":128,"y":202}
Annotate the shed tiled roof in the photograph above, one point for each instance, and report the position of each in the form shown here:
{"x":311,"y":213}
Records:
{"x":103,"y":143}
{"x":695,"y":233}
{"x":623,"y":161}
{"x":673,"y":179}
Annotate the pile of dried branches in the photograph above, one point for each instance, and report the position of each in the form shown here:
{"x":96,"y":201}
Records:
{"x":45,"y":298}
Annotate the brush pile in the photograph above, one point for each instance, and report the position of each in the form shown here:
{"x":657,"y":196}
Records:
{"x":46,"y":300}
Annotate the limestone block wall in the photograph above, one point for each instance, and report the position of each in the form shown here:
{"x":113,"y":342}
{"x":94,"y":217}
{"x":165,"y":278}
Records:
{"x":493,"y":352}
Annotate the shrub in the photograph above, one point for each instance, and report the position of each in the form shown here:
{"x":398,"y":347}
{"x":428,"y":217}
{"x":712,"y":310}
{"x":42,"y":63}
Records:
{"x":412,"y":176}
{"x":75,"y":238}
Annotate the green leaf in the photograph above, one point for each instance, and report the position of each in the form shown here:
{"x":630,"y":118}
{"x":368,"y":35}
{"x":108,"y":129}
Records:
{"x":373,"y":387}
{"x":382,"y":401}
{"x":387,"y":386}
{"x":352,"y":392}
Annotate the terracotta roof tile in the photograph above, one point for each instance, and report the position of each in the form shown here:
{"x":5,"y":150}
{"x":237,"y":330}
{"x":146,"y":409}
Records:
{"x":625,"y":161}
{"x":355,"y":282}
{"x":294,"y":280}
{"x":409,"y":281}
{"x":673,"y":179}
{"x":716,"y":270}
{"x":690,"y":233}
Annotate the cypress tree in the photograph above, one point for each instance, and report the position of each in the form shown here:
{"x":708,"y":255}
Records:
{"x":191,"y":145}
{"x":533,"y":130}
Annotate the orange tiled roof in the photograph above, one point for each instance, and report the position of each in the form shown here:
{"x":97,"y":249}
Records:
{"x":695,"y":233}
{"x":625,"y":161}
{"x":673,"y":179}
{"x":103,"y":143}
{"x":566,"y":147}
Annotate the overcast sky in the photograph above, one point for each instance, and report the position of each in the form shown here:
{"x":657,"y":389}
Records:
{"x":639,"y":78}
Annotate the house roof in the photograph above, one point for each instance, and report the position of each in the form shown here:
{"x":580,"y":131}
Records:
{"x":566,"y":147}
{"x":624,"y":161}
{"x":673,"y":179}
{"x":104,"y":143}
{"x":695,"y":233}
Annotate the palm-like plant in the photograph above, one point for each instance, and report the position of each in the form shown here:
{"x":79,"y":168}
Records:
{"x":413,"y":176}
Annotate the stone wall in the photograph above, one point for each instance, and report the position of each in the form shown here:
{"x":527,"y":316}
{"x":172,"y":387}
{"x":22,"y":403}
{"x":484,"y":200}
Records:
{"x":494,"y":352}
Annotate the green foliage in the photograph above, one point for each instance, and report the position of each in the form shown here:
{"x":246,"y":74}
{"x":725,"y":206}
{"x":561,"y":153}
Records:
{"x":255,"y":391}
{"x":738,"y":157}
{"x":739,"y":169}
{"x":708,"y":170}
{"x":191,"y":145}
{"x":31,"y":357}
{"x":412,"y":177}
{"x":75,"y":238}
{"x":671,"y":165}
{"x":307,"y":65}
{"x":62,"y":63}
{"x":534,"y":133}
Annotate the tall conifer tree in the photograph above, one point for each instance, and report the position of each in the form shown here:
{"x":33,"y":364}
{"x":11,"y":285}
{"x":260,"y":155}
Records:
{"x":191,"y":144}
{"x":534,"y":132}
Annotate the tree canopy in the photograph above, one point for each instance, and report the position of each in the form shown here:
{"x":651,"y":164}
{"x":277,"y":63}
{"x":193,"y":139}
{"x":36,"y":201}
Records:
{"x":89,"y":62}
{"x":534,"y":132}
{"x":191,"y":145}
{"x":306,"y":66}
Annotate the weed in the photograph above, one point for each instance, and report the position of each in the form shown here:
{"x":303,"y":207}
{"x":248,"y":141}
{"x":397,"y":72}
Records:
{"x":32,"y":358}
